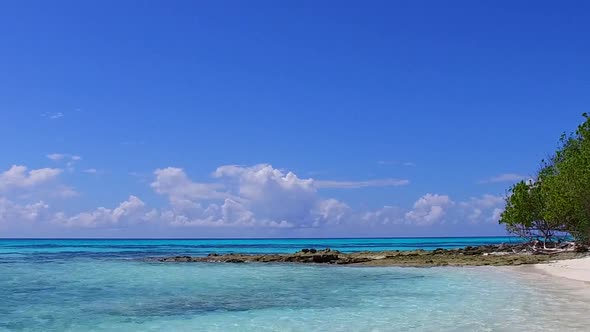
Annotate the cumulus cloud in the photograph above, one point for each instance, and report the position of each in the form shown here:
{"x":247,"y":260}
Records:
{"x":429,"y":209}
{"x":131,"y":211}
{"x":174,"y":183}
{"x":260,"y":180}
{"x":258,"y":196}
{"x":331,"y":211}
{"x":18,"y":177}
{"x":384,"y":216}
{"x":21,"y":191}
{"x":433,"y":209}
{"x":14,"y":212}
{"x":229,"y":213}
{"x":486,"y":208}
{"x":269,"y":193}
{"x":262,"y":195}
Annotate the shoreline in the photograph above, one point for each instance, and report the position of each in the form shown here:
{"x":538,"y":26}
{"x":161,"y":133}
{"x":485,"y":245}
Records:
{"x":487,"y":255}
{"x":573,"y":269}
{"x":568,"y":276}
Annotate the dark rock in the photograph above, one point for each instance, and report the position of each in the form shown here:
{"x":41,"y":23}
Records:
{"x":177,"y":259}
{"x":352,"y":260}
{"x":324,"y":258}
{"x":235,"y":260}
{"x":514,"y":254}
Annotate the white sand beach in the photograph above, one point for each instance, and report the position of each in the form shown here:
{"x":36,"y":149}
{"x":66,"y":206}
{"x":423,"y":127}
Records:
{"x":575,"y":269}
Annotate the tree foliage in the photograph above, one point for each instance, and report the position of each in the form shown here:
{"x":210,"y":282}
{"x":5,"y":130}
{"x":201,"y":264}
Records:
{"x":558,"y":199}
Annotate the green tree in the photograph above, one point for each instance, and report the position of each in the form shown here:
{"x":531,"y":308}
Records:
{"x":567,"y":185}
{"x":558,"y":201}
{"x":526,"y":214}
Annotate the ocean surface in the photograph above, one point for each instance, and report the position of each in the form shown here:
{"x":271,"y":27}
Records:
{"x":106,"y":285}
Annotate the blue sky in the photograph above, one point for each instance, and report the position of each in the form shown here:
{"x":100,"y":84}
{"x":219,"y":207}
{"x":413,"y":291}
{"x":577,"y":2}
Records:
{"x":380,"y":118}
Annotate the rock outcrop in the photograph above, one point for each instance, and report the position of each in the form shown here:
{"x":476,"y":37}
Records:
{"x":504,"y":254}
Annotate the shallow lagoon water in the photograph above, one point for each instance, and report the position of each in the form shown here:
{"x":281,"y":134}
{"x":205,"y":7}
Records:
{"x":44,"y":292}
{"x":157,"y":247}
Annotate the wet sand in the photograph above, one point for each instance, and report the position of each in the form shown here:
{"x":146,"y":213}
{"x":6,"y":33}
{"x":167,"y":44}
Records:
{"x":574,"y":269}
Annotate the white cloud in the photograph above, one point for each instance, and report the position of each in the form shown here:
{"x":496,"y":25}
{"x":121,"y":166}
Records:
{"x":260,"y":180}
{"x":17,"y":177}
{"x":331,"y":211}
{"x":251,"y":178}
{"x":429,"y":209}
{"x":437,"y":209}
{"x":174,"y":183}
{"x":19,"y":185}
{"x":53,"y":115}
{"x":384,"y":216}
{"x":56,"y":156}
{"x":262,"y":195}
{"x":230,"y":213}
{"x":327,"y":184}
{"x":62,"y":191}
{"x":486,"y":208}
{"x":68,"y":158}
{"x":12,"y":212}
{"x":131,"y":211}
{"x":506,"y":177}
{"x":485,"y":201}
{"x":269,"y":193}
{"x":496,"y":214}
{"x":258,"y":196}
{"x":91,"y":171}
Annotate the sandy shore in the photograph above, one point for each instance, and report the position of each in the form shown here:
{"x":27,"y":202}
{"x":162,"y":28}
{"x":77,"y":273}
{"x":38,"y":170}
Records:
{"x":575,"y":269}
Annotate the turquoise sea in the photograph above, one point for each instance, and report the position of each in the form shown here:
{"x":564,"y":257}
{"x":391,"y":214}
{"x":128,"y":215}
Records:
{"x":106,"y":285}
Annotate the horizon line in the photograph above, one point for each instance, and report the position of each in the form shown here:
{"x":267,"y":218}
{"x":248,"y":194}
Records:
{"x":257,"y":238}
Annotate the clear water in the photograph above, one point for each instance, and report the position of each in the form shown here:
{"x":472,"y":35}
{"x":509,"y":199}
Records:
{"x":41,"y":248}
{"x":83,"y":285}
